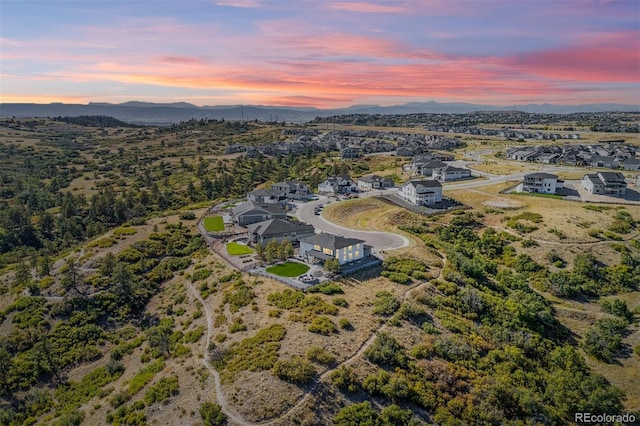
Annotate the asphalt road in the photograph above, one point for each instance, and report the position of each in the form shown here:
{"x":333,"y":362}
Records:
{"x":378,"y":240}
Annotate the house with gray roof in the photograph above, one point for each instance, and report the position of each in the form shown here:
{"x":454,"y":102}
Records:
{"x":421,"y":192}
{"x":371,"y":182}
{"x":278,"y":230}
{"x":321,"y":247}
{"x":605,"y":183}
{"x":265,"y":196}
{"x":632,"y":164}
{"x":252,"y":212}
{"x":449,"y":173}
{"x":341,"y":184}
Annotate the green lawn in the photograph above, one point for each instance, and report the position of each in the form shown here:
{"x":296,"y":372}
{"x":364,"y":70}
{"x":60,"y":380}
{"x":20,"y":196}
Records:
{"x":213,"y":223}
{"x":235,"y":249}
{"x":288,"y":269}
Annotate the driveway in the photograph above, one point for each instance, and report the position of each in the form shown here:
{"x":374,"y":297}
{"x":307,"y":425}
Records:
{"x":378,"y":240}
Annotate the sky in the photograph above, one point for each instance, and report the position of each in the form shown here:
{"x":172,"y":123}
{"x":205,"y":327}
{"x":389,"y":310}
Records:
{"x":320,"y":53}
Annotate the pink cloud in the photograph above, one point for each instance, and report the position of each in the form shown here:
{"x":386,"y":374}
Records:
{"x":247,"y":4}
{"x":614,"y":58}
{"x":365,"y":7}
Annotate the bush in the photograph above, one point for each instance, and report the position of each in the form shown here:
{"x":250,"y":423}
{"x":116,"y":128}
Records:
{"x":212,"y":414}
{"x":327,"y":288}
{"x":344,"y":378}
{"x":604,"y":340}
{"x":340,"y":301}
{"x":164,"y":389}
{"x":296,"y":370}
{"x":357,"y":414}
{"x":320,"y":355}
{"x":322,"y":325}
{"x":385,"y":350}
{"x":237,"y":326}
{"x":344,"y":324}
{"x":200,"y":274}
{"x":618,"y":308}
{"x":385,"y":304}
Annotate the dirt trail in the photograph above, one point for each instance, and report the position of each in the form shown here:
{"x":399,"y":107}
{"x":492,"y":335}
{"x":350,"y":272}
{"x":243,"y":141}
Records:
{"x":221,"y":397}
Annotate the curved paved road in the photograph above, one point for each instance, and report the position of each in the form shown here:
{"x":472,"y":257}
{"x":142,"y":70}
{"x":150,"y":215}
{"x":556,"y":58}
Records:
{"x":378,"y":240}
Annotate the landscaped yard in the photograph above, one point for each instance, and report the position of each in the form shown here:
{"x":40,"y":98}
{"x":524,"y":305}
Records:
{"x":236,"y":249}
{"x":213,"y":223}
{"x":288,"y":269}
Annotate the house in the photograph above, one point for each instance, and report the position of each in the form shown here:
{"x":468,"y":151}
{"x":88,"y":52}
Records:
{"x":631,"y":164}
{"x":607,"y":183}
{"x":426,"y":168}
{"x":292,"y":189}
{"x":545,"y":183}
{"x":321,"y":247}
{"x":405,"y":151}
{"x":265,"y":196}
{"x":341,"y":184}
{"x":278,"y":230}
{"x":232,"y":149}
{"x":252,"y":212}
{"x":605,"y":162}
{"x":449,"y":173}
{"x":352,"y":152}
{"x":371,"y":182}
{"x":421,"y":192}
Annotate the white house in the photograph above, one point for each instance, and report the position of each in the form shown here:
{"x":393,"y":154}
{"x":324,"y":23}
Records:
{"x":545,"y":183}
{"x":341,"y":184}
{"x":606,"y":183}
{"x":321,"y":247}
{"x":370,"y":182}
{"x":449,"y":173}
{"x":421,"y":192}
{"x":292,"y":189}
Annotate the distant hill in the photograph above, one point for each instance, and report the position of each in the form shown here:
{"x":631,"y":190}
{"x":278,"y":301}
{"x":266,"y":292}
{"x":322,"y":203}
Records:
{"x":167,"y":113}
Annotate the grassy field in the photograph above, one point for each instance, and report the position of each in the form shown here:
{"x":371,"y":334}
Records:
{"x":288,"y":269}
{"x":213,"y":223}
{"x":235,"y":249}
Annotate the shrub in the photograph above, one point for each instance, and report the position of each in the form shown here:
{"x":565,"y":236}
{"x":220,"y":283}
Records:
{"x":322,"y":325}
{"x":385,"y":350}
{"x":618,"y":308}
{"x":237,"y":326}
{"x":385,"y":304}
{"x":320,"y":355}
{"x":340,"y":301}
{"x":344,"y":323}
{"x":344,"y":378}
{"x":604,"y":340}
{"x":200,"y":274}
{"x":296,"y":370}
{"x":357,"y":414}
{"x":164,"y":389}
{"x":212,"y":414}
{"x":327,"y":288}
{"x":187,"y":216}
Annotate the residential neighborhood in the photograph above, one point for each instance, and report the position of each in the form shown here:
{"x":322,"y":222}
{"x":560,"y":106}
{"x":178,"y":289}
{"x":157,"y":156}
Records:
{"x":606,"y":154}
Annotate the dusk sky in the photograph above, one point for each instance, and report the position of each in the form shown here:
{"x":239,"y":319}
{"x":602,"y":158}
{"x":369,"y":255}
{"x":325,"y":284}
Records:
{"x":320,"y":53}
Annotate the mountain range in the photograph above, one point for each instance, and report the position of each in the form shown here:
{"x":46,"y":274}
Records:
{"x":167,"y":113}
